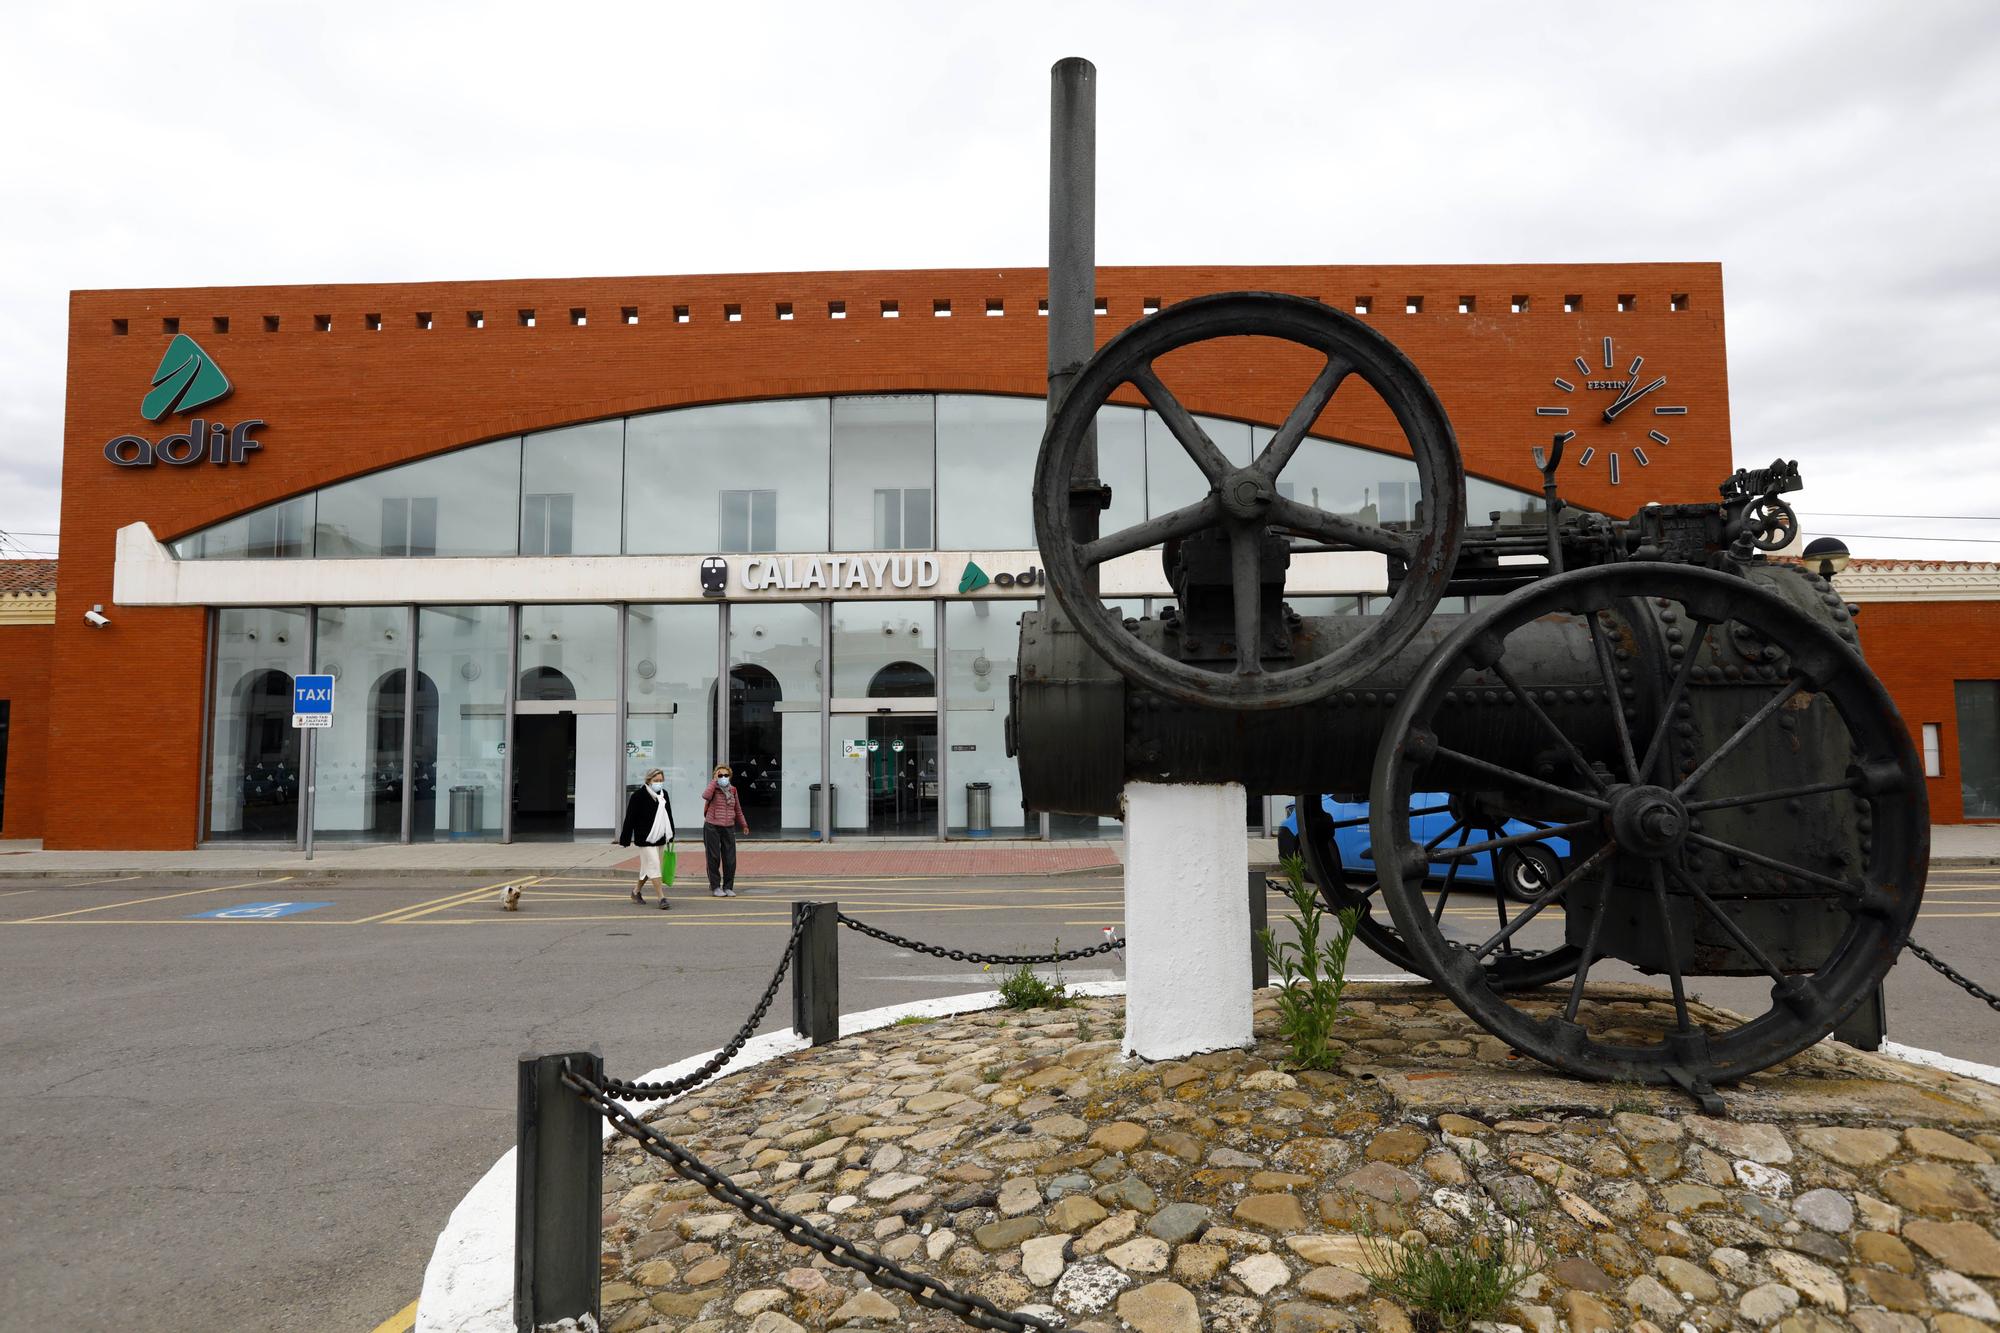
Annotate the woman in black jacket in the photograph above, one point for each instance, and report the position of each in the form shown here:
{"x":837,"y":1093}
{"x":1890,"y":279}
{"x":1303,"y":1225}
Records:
{"x":649,"y":822}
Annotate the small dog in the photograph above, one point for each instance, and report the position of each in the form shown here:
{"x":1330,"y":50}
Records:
{"x":511,"y":900}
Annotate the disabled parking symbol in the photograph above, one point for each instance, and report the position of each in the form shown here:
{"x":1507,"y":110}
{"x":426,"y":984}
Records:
{"x":257,"y":911}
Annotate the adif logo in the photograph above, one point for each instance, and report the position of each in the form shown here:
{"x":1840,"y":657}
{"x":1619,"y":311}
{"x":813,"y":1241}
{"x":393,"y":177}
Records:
{"x":973,"y":579}
{"x":187,"y":378}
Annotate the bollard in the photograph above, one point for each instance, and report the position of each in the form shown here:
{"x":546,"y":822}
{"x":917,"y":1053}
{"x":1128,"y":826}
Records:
{"x":1260,"y":921}
{"x":816,"y":973}
{"x":1865,"y":1028}
{"x":558,"y":1193}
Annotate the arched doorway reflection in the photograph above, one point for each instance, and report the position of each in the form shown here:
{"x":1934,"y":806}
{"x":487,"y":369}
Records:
{"x":902,"y":756}
{"x":544,"y":758}
{"x":385,"y":757}
{"x":756,"y":745}
{"x":270,"y":756}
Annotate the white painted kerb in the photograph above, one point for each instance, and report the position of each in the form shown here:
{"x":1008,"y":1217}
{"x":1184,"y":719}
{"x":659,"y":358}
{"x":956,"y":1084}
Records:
{"x":1187,"y":920}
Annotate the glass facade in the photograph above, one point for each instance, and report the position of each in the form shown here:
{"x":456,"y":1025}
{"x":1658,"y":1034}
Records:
{"x":883,"y":472}
{"x":982,"y":641}
{"x":254,"y":773}
{"x":358,"y":786}
{"x":773,"y":714}
{"x":685,"y":473}
{"x":462,"y":656}
{"x":670,"y":722}
{"x":572,"y":500}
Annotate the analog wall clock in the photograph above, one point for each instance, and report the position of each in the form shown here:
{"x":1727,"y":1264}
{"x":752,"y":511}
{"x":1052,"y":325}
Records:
{"x":1610,"y":411}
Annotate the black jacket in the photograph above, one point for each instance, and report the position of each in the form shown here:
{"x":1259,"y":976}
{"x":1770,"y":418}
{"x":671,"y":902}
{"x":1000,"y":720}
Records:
{"x":639,"y":812}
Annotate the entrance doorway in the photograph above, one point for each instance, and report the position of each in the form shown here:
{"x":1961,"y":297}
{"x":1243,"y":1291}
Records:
{"x":270,"y":758}
{"x":545,"y":759}
{"x":756,"y":746}
{"x":901,"y":753}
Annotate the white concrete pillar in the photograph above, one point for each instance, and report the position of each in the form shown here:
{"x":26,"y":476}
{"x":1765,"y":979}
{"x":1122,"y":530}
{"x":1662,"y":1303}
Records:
{"x":1187,"y":920}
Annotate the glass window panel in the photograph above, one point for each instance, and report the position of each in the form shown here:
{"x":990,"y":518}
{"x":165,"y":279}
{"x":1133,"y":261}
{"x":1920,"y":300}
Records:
{"x":1121,"y":464}
{"x":986,"y":449}
{"x":884,"y":649}
{"x":1483,"y":497}
{"x":275,"y":532}
{"x":578,"y":470}
{"x":982,"y":641}
{"x":1979,"y":747}
{"x":463,"y":503}
{"x":569,"y":652}
{"x":882,"y":445}
{"x":1172,"y":477}
{"x":677,"y":464}
{"x":670,"y":703}
{"x":774,"y":688}
{"x":253,"y":791}
{"x":461,"y":739}
{"x":358,"y":761}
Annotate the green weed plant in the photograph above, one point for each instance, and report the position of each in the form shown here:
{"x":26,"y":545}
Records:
{"x":1312,"y":971}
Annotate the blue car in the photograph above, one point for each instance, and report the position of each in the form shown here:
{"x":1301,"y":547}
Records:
{"x":1520,"y":871}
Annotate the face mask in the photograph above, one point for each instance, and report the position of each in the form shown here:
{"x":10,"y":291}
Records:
{"x":722,"y":782}
{"x":654,"y":786}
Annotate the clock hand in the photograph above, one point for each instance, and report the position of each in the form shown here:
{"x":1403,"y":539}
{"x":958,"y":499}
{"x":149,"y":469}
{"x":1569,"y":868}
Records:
{"x":1627,"y":399}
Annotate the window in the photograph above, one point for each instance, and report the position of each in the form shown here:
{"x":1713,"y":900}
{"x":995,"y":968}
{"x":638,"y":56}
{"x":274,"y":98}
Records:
{"x":409,"y":525}
{"x":748,"y":521}
{"x":1933,"y":759}
{"x":120,"y":327}
{"x":903,"y":519}
{"x":547,"y":524}
{"x":1395,"y":501}
{"x":1979,"y":747}
{"x":678,"y":464}
{"x":5,"y":706}
{"x":278,"y":532}
{"x":986,"y":447}
{"x":220,"y":323}
{"x":373,"y":323}
{"x":1519,"y":305}
{"x":1413,"y":305}
{"x":171,"y":324}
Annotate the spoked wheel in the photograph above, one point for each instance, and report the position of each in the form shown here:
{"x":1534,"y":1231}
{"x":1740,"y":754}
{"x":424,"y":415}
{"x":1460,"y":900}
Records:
{"x":1514,"y":966}
{"x":1244,"y":503}
{"x":1768,"y":818}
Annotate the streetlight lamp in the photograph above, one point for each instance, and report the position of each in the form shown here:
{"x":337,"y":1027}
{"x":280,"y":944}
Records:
{"x":1826,"y":555}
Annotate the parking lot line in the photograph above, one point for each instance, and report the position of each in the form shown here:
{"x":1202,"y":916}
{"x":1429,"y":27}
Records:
{"x":402,"y":1321}
{"x":404,"y":916}
{"x":156,"y":898}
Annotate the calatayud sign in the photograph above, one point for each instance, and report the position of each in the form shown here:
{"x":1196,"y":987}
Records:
{"x":187,"y":378}
{"x":836,"y":573}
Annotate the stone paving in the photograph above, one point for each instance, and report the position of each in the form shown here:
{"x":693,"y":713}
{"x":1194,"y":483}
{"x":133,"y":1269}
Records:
{"x":1016,"y":1155}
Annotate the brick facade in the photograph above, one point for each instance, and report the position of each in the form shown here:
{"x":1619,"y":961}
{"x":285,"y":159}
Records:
{"x":1919,"y":649}
{"x":350,"y":379}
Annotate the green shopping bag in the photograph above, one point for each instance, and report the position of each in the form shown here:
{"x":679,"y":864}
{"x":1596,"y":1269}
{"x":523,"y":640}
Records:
{"x":667,"y":858}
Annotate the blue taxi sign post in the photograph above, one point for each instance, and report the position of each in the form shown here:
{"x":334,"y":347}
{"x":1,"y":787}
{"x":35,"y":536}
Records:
{"x":312,"y":712}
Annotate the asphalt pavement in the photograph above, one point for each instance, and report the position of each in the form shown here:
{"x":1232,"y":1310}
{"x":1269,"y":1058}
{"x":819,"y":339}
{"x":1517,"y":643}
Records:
{"x":252,"y":1103}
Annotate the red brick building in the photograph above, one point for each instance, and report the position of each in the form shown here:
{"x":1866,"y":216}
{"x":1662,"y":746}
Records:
{"x":27,"y":635}
{"x":485,"y":507}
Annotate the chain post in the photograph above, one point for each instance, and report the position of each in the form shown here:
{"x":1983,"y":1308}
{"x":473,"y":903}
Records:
{"x":1868,"y":1025}
{"x":558,"y":1192}
{"x":1260,"y":921}
{"x":816,"y":979}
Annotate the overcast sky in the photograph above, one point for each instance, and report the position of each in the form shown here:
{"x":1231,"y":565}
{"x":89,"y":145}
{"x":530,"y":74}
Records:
{"x":1841,"y":160}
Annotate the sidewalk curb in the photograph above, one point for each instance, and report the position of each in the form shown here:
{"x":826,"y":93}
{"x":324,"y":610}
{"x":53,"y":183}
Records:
{"x":469,"y":1282}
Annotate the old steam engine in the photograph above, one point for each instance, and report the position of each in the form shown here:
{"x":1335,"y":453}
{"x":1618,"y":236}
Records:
{"x":1692,"y":721}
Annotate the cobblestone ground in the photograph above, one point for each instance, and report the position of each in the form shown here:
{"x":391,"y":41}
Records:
{"x":1017,"y":1156}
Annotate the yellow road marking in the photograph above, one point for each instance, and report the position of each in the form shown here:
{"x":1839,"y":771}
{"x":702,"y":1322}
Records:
{"x":15,"y":893}
{"x":157,"y":898}
{"x":115,"y":879}
{"x":402,"y":1321}
{"x":409,"y":914}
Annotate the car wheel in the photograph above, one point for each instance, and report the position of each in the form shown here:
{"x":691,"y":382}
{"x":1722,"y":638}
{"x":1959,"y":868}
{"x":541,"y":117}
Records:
{"x":1527,"y":870}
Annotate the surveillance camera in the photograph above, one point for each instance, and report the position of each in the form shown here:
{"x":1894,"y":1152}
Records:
{"x":95,"y":617}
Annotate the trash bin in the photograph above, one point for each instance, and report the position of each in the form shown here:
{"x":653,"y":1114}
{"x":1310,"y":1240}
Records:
{"x":465,"y":810}
{"x":822,"y":818}
{"x":978,"y":809}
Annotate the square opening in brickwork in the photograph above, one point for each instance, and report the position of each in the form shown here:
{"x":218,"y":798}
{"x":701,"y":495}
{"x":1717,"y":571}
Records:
{"x":1364,"y":305}
{"x":526,"y":318}
{"x":323,"y":323}
{"x":1103,"y":305}
{"x":732,"y":314}
{"x":424,"y":321}
{"x":836,"y":310}
{"x":629,"y":313}
{"x":995,"y":307}
{"x":119,"y":328}
{"x":1150,"y":306}
{"x":681,"y":314}
{"x":1572,"y":304}
{"x":1466,"y":304}
{"x":579,"y":316}
{"x":1677,"y":302}
{"x":171,"y":324}
{"x":270,"y":323}
{"x":941,"y":308}
{"x":890,"y":310}
{"x":784,"y":310}
{"x":219,"y":324}
{"x":475,"y":319}
{"x":1627,"y":303}
{"x":1413,"y":305}
{"x":1518,"y":305}
{"x":373,"y":322}
{"x":1042,"y":306}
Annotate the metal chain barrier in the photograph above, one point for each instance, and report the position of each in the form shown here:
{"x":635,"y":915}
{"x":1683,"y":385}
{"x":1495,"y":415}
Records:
{"x":960,"y":956}
{"x":1955,"y":977}
{"x":882,"y":1272}
{"x":675,"y":1087}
